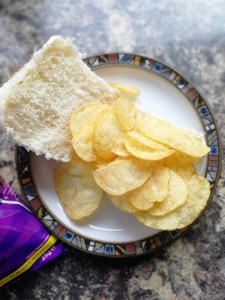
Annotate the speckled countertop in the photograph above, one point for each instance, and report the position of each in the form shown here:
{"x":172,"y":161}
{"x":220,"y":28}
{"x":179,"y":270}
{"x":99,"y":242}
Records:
{"x":189,"y":36}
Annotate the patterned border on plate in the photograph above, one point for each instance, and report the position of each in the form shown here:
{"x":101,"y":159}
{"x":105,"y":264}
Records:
{"x":163,"y":238}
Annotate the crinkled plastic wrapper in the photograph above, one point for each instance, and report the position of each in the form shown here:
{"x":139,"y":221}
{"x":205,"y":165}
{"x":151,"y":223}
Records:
{"x":25,"y":244}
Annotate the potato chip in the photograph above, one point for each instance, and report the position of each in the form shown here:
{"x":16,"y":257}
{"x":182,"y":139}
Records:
{"x":85,"y":115}
{"x":126,"y":113}
{"x":99,"y":163}
{"x":176,"y":197}
{"x":122,"y":203}
{"x":123,"y":175}
{"x":125,"y":89}
{"x":155,"y":189}
{"x":198,"y":186}
{"x":141,"y":151}
{"x":77,"y":190}
{"x":82,"y":130}
{"x":73,"y":156}
{"x":108,"y":134}
{"x":171,"y":136}
{"x":181,"y":164}
{"x":137,"y":136}
{"x":185,"y":214}
{"x":83,"y":144}
{"x":121,"y":151}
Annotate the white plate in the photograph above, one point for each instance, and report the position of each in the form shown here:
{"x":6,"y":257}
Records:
{"x":109,"y":231}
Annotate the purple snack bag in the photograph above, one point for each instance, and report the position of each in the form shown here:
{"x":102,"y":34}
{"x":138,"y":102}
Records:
{"x":25,"y":244}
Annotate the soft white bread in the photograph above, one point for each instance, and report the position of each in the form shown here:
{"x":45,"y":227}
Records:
{"x":36,"y":103}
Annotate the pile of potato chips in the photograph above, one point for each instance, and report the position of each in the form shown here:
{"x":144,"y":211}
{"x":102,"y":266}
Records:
{"x":144,"y":164}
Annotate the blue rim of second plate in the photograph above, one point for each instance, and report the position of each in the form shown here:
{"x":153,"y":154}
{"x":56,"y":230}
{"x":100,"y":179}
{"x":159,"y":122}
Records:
{"x":162,"y":239}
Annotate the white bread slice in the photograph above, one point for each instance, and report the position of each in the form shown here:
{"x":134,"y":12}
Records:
{"x":36,"y":103}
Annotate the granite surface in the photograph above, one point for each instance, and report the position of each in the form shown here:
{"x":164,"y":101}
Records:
{"x":189,"y":36}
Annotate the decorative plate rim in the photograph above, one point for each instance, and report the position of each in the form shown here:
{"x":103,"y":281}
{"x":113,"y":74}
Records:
{"x":158,"y":240}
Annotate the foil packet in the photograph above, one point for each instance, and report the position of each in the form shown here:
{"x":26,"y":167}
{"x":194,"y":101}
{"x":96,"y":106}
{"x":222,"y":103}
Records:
{"x":25,"y":244}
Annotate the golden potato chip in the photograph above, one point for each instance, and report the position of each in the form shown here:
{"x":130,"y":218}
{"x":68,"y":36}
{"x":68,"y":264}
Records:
{"x":171,"y":136}
{"x":198,"y":186}
{"x":121,"y":150}
{"x":125,"y":89}
{"x":83,"y":143}
{"x":73,"y":156}
{"x":126,"y":113}
{"x":176,"y":197}
{"x":77,"y":190}
{"x":85,"y":115}
{"x":155,"y":189}
{"x":123,"y":175}
{"x":185,"y":214}
{"x":122,"y":203}
{"x":108,"y":133}
{"x":99,"y":163}
{"x":181,"y":164}
{"x":82,"y":129}
{"x":141,"y":151}
{"x":137,"y":136}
